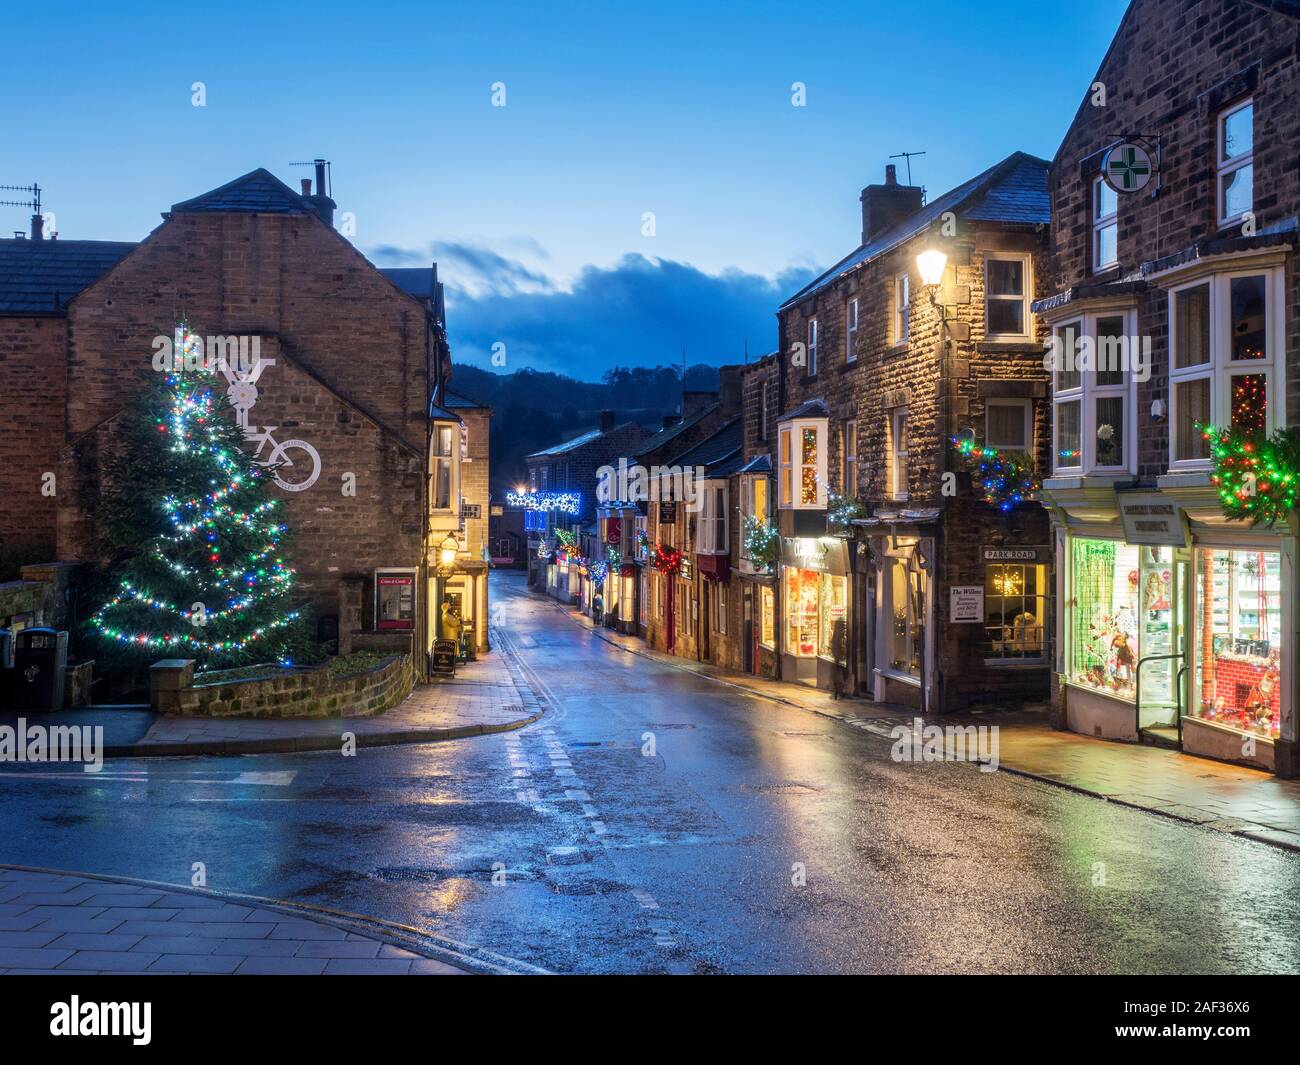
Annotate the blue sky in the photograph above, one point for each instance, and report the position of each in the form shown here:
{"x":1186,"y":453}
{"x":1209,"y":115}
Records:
{"x":612,"y":110}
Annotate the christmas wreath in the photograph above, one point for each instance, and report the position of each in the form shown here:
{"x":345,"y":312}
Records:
{"x":1256,"y":474}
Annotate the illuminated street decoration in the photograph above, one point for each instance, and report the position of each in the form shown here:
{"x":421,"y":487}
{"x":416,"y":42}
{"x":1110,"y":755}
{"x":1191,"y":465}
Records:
{"x":566,"y":502}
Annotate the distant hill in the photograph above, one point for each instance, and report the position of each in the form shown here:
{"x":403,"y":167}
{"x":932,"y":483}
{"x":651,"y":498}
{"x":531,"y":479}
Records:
{"x":532,"y":410}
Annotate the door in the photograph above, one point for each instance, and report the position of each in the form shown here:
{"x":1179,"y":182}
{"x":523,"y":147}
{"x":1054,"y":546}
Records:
{"x":747,"y":631}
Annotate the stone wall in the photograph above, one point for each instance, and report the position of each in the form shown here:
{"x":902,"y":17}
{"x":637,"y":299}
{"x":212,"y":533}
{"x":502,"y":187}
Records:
{"x":289,"y":694}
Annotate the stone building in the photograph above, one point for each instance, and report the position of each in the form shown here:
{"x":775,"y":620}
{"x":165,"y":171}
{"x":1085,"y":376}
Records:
{"x":349,"y":367}
{"x":896,"y":578}
{"x":1175,"y":197}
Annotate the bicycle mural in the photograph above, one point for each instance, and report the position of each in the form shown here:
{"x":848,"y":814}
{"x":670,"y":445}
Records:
{"x":297,"y":456}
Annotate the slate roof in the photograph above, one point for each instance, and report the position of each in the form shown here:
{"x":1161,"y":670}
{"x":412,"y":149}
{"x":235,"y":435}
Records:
{"x":41,"y":276}
{"x":455,"y":401}
{"x":259,"y":191}
{"x":666,"y":436}
{"x":812,"y":408}
{"x":758,"y":464}
{"x":415,"y":281}
{"x":713,"y":450}
{"x":1014,"y":190}
{"x":442,"y":414}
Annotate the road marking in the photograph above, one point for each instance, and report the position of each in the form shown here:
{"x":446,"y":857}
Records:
{"x":276,"y":778}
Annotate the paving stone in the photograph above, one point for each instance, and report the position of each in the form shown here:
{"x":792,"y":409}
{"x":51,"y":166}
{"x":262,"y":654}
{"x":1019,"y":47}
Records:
{"x":28,"y":939}
{"x":304,"y":930}
{"x":368,"y":967}
{"x":117,"y":961}
{"x":282,"y":966}
{"x":141,"y":913}
{"x":335,"y":948}
{"x":29,"y":956}
{"x":95,"y":941}
{"x":432,"y":967}
{"x":196,"y":963}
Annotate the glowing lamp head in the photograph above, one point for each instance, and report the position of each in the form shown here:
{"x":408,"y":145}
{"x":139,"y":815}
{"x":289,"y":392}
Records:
{"x":931,"y":263}
{"x":447,"y":551}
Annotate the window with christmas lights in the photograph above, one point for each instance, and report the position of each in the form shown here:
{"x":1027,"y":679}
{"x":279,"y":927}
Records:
{"x":801,"y":464}
{"x":1015,"y":610}
{"x":1239,"y":640}
{"x":1225,"y":356}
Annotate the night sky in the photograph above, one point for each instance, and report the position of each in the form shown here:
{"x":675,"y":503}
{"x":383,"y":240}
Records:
{"x":536,"y":210}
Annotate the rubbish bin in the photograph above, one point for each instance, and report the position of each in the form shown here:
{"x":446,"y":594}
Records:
{"x":40,"y":658}
{"x":6,"y":648}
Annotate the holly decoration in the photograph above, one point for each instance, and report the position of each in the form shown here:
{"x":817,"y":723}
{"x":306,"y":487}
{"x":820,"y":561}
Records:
{"x":190,"y":539}
{"x":1256,"y":474}
{"x":1006,"y":480}
{"x":666,"y":559}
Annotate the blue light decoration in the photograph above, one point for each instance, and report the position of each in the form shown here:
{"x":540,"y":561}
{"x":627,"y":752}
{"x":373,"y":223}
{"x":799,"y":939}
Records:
{"x":565,"y":502}
{"x":1005,"y":480}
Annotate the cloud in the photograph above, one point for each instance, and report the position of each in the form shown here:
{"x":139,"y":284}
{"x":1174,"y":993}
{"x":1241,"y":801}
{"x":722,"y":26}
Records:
{"x":637,"y":312}
{"x":471,"y":268}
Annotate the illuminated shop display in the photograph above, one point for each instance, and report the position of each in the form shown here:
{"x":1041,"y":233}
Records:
{"x":1124,"y":609}
{"x":767,"y":616}
{"x":1239,"y":639}
{"x":1015,"y":609}
{"x":815,"y":603}
{"x":905,"y":602}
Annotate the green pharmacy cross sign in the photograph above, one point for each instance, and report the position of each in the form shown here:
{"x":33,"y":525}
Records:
{"x":1127,"y":167}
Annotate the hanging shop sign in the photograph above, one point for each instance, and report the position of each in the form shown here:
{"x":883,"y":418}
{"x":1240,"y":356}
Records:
{"x":966,"y":603}
{"x":471,"y":510}
{"x":1127,"y":167}
{"x":1152,"y":518}
{"x":668,"y":513}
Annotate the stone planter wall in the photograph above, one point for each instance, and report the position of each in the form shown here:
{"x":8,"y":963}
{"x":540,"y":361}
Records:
{"x":292,"y":693}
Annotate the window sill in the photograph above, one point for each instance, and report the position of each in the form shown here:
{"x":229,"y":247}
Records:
{"x":1008,"y":346}
{"x":1123,"y":700}
{"x":905,"y":678}
{"x":1015,"y":663}
{"x":845,"y":367}
{"x":898,"y":348}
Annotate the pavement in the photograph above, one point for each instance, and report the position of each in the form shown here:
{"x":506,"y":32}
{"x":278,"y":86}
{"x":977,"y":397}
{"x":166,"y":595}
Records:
{"x":1238,"y":800}
{"x":483,"y":697}
{"x":68,"y":924}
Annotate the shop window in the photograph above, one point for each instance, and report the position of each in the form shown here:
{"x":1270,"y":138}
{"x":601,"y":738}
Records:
{"x":1105,"y":226}
{"x":767,"y":616}
{"x":905,"y":607}
{"x":816,"y":617}
{"x":1015,"y":610}
{"x":1226,"y":354}
{"x":1239,"y":640}
{"x":1006,"y":297}
{"x":1123,"y":608}
{"x":1236,"y":162}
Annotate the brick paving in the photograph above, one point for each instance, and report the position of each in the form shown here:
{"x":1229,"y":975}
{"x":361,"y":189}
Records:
{"x":61,"y":923}
{"x":482,"y":697}
{"x":1227,"y":798}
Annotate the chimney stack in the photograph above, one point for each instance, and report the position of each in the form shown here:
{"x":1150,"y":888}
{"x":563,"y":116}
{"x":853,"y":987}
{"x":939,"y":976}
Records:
{"x":884,"y":206}
{"x":38,"y":227}
{"x":320,"y":203}
{"x":606,"y":420}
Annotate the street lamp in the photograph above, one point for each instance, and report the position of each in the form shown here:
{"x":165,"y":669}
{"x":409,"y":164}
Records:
{"x":447,"y":555}
{"x":931,"y":263}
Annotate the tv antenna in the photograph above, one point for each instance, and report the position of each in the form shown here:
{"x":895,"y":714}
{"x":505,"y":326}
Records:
{"x":322,"y":167}
{"x":907,"y":156}
{"x":34,"y":204}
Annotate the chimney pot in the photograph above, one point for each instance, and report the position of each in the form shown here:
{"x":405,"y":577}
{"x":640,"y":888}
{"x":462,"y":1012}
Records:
{"x":38,"y":227}
{"x":606,"y":420}
{"x":891,"y":174}
{"x":306,"y":186}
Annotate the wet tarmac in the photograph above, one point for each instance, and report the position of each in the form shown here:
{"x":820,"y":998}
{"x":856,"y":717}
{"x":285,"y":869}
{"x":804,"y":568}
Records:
{"x":656,"y":821}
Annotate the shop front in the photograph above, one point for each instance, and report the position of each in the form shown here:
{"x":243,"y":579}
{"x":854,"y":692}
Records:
{"x":815,"y":611}
{"x":901,"y":657}
{"x":1175,"y":625}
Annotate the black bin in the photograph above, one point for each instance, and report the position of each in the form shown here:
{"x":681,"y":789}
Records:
{"x":6,"y":648}
{"x":40,"y":658}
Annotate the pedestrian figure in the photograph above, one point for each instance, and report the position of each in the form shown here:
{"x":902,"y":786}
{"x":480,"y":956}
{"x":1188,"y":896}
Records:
{"x":840,"y":654}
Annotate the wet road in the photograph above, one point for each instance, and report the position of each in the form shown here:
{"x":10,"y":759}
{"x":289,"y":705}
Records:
{"x":655,"y":821}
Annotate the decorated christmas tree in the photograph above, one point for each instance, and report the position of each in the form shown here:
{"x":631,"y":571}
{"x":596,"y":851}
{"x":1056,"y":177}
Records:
{"x":190,"y":537}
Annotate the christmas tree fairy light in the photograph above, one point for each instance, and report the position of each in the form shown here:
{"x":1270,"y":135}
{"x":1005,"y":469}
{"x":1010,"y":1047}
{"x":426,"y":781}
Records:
{"x":1257,"y":475}
{"x":1004,"y":480}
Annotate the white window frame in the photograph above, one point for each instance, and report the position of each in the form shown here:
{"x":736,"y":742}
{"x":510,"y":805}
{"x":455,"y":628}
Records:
{"x":1226,"y":168}
{"x":1026,"y":408}
{"x":901,"y":323}
{"x":1221,"y":369}
{"x":720,"y":604}
{"x":793,"y":464}
{"x":452,"y":458}
{"x":714,"y":526}
{"x":1026,"y":265}
{"x":812,"y":346}
{"x":1087,"y":392}
{"x":898,"y":457}
{"x":1100,"y":222}
{"x":851,"y":330}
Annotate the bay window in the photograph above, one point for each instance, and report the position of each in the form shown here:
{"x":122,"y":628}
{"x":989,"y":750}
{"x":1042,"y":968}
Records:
{"x":1225,"y":344}
{"x":1235,"y":162}
{"x":801,"y":456}
{"x":445,"y":450}
{"x":1093,"y":393}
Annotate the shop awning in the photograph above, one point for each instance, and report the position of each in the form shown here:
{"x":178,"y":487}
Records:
{"x":714,"y":567}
